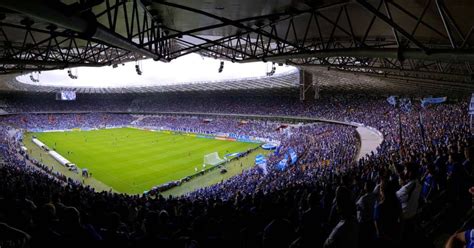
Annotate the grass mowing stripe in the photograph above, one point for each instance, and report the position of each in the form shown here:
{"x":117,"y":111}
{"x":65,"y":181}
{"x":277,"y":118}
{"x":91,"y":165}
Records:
{"x":133,"y":160}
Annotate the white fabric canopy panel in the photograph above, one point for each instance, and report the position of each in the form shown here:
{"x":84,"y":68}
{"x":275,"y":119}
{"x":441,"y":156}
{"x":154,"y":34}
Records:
{"x":191,"y":68}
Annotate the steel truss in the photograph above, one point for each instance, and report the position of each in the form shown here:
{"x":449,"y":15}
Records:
{"x":413,"y":69}
{"x":60,"y":36}
{"x":392,"y":40}
{"x":47,"y":50}
{"x":302,"y":38}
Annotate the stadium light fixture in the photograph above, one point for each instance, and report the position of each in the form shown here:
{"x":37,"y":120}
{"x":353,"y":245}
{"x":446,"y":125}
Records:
{"x":272,"y":72}
{"x":72,"y":76}
{"x":33,"y":79}
{"x":138,"y":69}
{"x":200,"y":71}
{"x":221,"y":67}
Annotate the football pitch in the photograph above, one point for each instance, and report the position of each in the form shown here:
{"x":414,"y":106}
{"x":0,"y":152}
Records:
{"x":132,"y":160}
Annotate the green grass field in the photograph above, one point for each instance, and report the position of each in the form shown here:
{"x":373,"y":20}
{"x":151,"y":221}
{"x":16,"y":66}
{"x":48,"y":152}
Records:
{"x":132,"y":160}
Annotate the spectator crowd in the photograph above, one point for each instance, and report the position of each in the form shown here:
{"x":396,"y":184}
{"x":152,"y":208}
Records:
{"x":326,"y":199}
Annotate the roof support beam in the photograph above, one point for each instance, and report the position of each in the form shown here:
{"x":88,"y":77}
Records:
{"x":210,"y":27}
{"x":439,"y":54}
{"x":59,"y":64}
{"x":389,"y":21}
{"x":230,"y":22}
{"x":39,"y":11}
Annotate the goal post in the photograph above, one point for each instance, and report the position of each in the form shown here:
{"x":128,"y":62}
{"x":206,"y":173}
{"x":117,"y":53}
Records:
{"x":213,"y":159}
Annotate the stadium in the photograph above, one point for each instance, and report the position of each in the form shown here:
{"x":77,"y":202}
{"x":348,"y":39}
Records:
{"x":292,"y":124}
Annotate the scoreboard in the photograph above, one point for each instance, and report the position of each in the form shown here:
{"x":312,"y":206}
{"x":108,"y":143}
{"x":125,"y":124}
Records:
{"x":66,"y":95}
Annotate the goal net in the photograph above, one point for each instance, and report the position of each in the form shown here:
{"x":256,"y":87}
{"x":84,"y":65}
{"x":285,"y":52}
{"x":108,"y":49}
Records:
{"x":213,"y":159}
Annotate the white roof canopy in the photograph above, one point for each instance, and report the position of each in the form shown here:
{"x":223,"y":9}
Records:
{"x":191,"y":68}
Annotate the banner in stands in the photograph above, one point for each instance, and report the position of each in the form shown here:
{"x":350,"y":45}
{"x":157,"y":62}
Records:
{"x":432,"y":100}
{"x":392,"y":100}
{"x":269,"y":146}
{"x":261,"y":162}
{"x":277,"y":151}
{"x":283,"y":164}
{"x":405,"y":105}
{"x":293,"y":155}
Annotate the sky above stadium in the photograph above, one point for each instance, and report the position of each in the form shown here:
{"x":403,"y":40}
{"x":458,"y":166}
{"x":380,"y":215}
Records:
{"x":191,"y":68}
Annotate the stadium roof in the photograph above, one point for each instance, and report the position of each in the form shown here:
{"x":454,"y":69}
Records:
{"x":287,"y":79}
{"x":189,"y":69}
{"x":430,"y":40}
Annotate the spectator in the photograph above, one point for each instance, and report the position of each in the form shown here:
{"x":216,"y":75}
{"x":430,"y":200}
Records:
{"x":461,"y":240}
{"x":277,"y":234}
{"x":12,"y":237}
{"x":365,"y":214}
{"x":346,"y":232}
{"x":387,"y":215}
{"x":235,"y":212}
{"x":73,"y":233}
{"x":430,"y":185}
{"x":409,"y":193}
